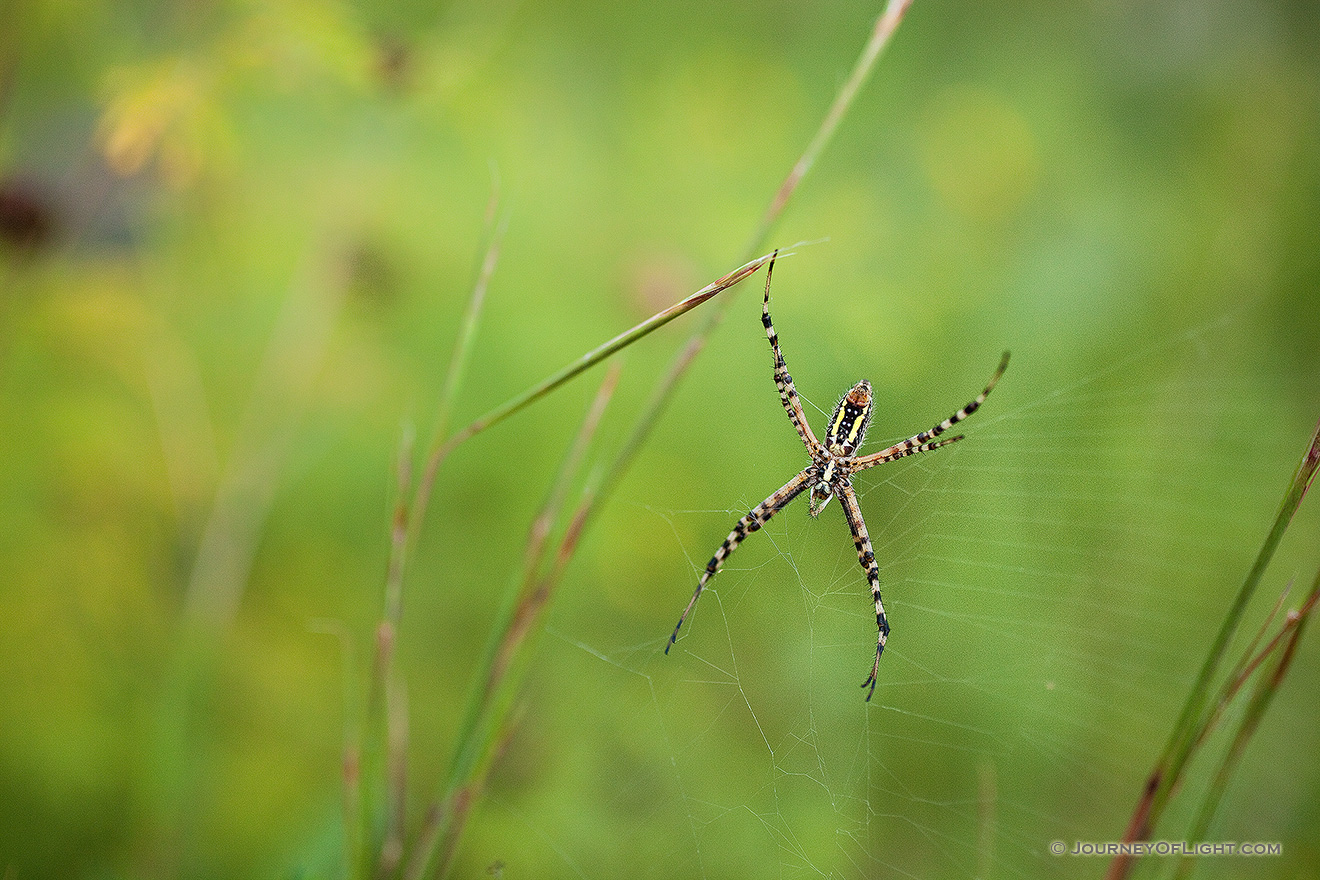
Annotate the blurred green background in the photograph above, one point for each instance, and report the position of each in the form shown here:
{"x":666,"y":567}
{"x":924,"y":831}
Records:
{"x":237,"y":243}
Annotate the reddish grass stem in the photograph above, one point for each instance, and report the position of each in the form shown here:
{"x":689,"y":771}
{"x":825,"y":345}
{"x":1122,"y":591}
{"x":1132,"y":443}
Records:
{"x":488,"y":723}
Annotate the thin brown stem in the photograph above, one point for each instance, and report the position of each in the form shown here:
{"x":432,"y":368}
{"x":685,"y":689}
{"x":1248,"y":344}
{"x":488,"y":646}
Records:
{"x":457,"y":367}
{"x":1249,"y":662}
{"x":385,"y":689}
{"x":487,"y":719}
{"x":399,"y":530}
{"x":532,"y":595}
{"x":396,"y":768}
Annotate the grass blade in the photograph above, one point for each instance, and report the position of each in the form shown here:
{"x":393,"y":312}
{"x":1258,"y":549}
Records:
{"x":583,"y":363}
{"x":457,"y":367}
{"x":487,"y":723}
{"x":1284,"y":645}
{"x":1187,"y":732}
{"x":265,"y":440}
{"x":351,"y":758}
{"x":385,"y":744}
{"x":884,"y":29}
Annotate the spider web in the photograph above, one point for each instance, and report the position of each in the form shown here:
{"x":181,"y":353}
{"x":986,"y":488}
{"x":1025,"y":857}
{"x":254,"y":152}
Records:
{"x":1052,"y":584}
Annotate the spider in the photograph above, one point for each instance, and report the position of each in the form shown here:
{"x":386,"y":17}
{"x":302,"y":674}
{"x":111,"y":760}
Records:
{"x":829,"y":475}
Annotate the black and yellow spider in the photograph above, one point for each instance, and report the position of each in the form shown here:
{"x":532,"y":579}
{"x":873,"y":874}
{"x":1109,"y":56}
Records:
{"x":830,"y":473}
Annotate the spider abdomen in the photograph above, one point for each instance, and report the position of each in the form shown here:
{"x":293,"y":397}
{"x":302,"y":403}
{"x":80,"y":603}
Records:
{"x":848,"y":424}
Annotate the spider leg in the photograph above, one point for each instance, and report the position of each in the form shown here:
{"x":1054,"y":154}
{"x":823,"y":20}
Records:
{"x":919,"y":442}
{"x":787,"y":392}
{"x":755,"y":518}
{"x":901,"y":450}
{"x":852,"y":511}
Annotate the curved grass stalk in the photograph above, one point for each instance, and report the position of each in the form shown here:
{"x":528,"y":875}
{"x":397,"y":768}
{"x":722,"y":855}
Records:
{"x":1188,"y":732}
{"x":1283,"y":647}
{"x":488,"y":723}
{"x":884,"y":29}
{"x":568,"y":372}
{"x":385,"y":743}
{"x":457,"y":368}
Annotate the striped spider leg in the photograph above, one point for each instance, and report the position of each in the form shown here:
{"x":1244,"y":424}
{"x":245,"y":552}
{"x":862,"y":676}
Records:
{"x":830,"y":474}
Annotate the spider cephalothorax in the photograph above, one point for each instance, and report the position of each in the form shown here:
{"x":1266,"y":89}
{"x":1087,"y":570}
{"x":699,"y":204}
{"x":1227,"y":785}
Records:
{"x":830,"y":473}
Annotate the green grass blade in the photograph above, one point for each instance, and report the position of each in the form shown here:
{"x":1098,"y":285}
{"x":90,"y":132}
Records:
{"x":1177,"y":751}
{"x":610,"y":347}
{"x":583,"y":363}
{"x":884,"y":29}
{"x":487,"y":721}
{"x":467,"y":335}
{"x":1186,"y":735}
{"x":1266,"y":687}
